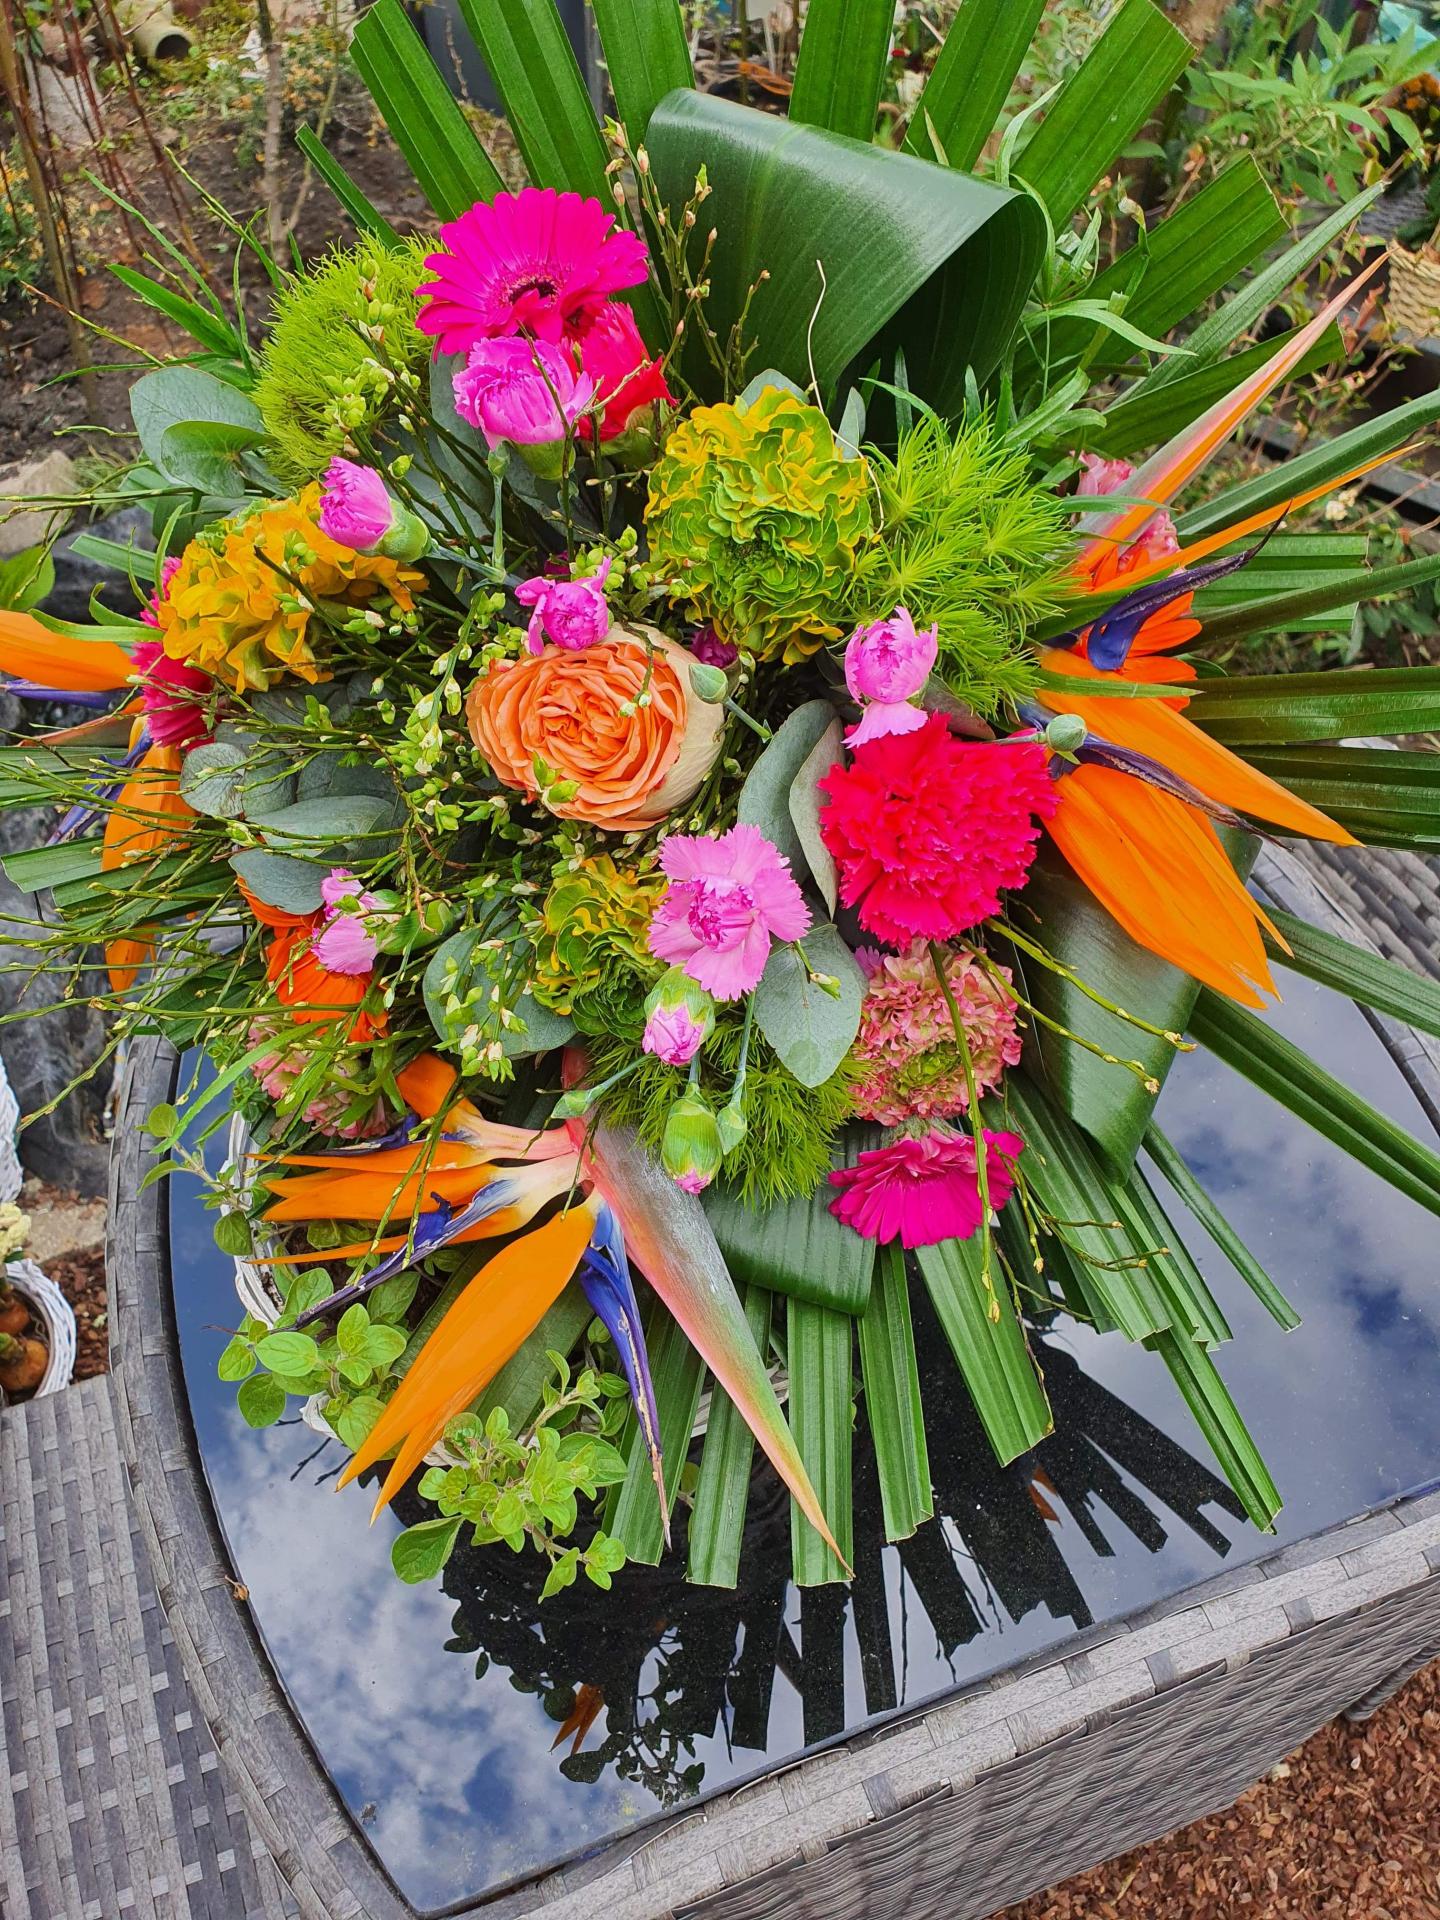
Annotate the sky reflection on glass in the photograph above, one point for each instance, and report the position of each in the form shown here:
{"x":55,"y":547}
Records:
{"x":436,"y":1710}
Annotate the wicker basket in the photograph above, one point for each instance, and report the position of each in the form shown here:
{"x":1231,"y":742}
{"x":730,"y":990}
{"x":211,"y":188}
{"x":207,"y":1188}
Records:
{"x":53,"y":1310}
{"x":1412,"y":305}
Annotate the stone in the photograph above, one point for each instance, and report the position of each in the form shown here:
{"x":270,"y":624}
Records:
{"x":27,"y":526}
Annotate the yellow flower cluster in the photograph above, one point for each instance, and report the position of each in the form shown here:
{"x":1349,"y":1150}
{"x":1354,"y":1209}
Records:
{"x":241,"y":602}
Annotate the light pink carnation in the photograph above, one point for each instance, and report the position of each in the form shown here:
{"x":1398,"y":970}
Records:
{"x":1157,"y":539}
{"x":728,"y":898}
{"x":344,"y":944}
{"x":886,"y":665}
{"x":674,"y":1035}
{"x":277,"y":1072}
{"x":911,"y":1068}
{"x":924,"y":1191}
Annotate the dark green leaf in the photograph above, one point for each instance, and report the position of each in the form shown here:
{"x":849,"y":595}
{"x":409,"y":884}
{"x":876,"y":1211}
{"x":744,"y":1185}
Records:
{"x":1204,"y":1393}
{"x":530,"y":59}
{"x":36,"y":868}
{"x":451,"y":166}
{"x":421,"y":1551}
{"x":892,"y":1398}
{"x":200,"y":322}
{"x":990,"y":1352}
{"x":363,"y":216}
{"x":645,"y":54}
{"x":1357,"y":972}
{"x":261,"y":1400}
{"x":914,"y":257}
{"x":796,"y":1247}
{"x":971,"y":78}
{"x":1278,"y":1067}
{"x":820,"y":1362}
{"x":1259,"y":710}
{"x":717,"y":1523}
{"x":1282,"y":610}
{"x":632,"y":1512}
{"x":1209,"y":1216}
{"x":840,"y":69}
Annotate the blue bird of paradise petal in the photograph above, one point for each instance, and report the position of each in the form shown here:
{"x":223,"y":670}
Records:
{"x":1111,"y":636}
{"x":604,"y":1273}
{"x":32,"y":690}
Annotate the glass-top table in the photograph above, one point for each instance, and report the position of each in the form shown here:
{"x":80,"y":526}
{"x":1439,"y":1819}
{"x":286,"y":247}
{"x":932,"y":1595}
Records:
{"x":479,"y":1738}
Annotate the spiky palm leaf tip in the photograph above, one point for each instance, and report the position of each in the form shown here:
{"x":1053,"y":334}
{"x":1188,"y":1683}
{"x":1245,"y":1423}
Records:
{"x":968,"y":543}
{"x":339,"y":333}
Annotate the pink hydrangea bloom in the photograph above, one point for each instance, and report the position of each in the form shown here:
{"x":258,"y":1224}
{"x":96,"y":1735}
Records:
{"x":537,"y":261}
{"x":278,"y":1071}
{"x":572,"y":613}
{"x":910,"y":1066}
{"x":526,"y":391}
{"x":174,"y":696}
{"x":674,"y":1035}
{"x":921,"y":1192}
{"x":355,"y":508}
{"x":627,"y":380}
{"x":886,"y":665}
{"x":1157,"y":539}
{"x":728,"y":898}
{"x":343,"y":942}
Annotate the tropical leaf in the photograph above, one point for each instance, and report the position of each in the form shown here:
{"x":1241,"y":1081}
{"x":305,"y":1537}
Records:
{"x":819,"y":1350}
{"x":1205,"y":1394}
{"x":645,"y":55}
{"x":1386,"y":798}
{"x":632,"y":1510}
{"x":796,"y":1247}
{"x":722,"y":1494}
{"x":912,"y":256}
{"x":1281,"y":709}
{"x":1357,"y":972}
{"x":1279,"y":611}
{"x":892,"y":1398}
{"x":1278,"y":1067}
{"x":1102,"y":105}
{"x":362,"y":214}
{"x":988,"y":1343}
{"x":448,"y":161}
{"x":1204,"y":1210}
{"x":971,"y":79}
{"x":530,"y":59}
{"x":840,"y":69}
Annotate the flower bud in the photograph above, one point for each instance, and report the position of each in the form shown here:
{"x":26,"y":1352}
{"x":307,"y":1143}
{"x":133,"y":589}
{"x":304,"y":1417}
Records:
{"x":690,"y":1150}
{"x":679,"y":1019}
{"x":357,"y":511}
{"x":709,"y":683}
{"x":1065,"y":734}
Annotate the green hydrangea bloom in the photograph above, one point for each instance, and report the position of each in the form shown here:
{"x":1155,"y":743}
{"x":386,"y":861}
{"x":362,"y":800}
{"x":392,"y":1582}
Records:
{"x":757,"y":517}
{"x":592,"y":960}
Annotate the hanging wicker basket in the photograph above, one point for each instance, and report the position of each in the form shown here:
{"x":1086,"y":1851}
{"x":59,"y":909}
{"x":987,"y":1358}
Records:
{"x":1412,"y":305}
{"x":50,"y":1307}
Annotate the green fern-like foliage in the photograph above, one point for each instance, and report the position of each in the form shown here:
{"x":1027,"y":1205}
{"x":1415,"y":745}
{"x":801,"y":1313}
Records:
{"x":337,"y":333}
{"x":786,"y":1150}
{"x":968,"y":542}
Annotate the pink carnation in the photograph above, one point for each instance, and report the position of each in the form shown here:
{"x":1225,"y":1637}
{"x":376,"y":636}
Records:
{"x":886,"y":665}
{"x":277,"y":1072}
{"x":525,"y":391}
{"x":343,"y":942}
{"x":674,"y":1035}
{"x":572,"y":613}
{"x":173,"y":694}
{"x":1158,"y":538}
{"x":910,"y":1066}
{"x":928,"y":830}
{"x":728,"y":898}
{"x":355,"y":508}
{"x":537,"y":261}
{"x":924,"y":1191}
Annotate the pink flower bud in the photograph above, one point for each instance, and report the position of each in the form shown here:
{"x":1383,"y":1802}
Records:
{"x":886,"y":665}
{"x":572,"y":613}
{"x":525,"y":391}
{"x":355,"y":508}
{"x":674,"y":1035}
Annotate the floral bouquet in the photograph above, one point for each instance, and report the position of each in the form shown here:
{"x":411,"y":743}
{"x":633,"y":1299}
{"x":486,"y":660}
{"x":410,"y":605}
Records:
{"x":682,"y":747}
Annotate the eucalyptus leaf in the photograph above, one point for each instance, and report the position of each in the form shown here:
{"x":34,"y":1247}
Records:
{"x":360,"y":824}
{"x":765,"y":797}
{"x":804,"y":807}
{"x":279,"y":881}
{"x":212,"y":779}
{"x":811,"y":1028}
{"x":177,"y":396}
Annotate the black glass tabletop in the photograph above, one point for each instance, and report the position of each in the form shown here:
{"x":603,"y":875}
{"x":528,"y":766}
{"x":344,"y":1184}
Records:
{"x":479,"y":1737}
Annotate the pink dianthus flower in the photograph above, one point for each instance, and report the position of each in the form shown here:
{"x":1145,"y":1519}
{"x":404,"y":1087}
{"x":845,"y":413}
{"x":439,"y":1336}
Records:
{"x":728,"y":898}
{"x":572,"y":613}
{"x":921,"y":1192}
{"x":886,"y":664}
{"x":343,"y":942}
{"x":526,"y":391}
{"x":910,"y":1066}
{"x":277,"y":1072}
{"x":928,"y":830}
{"x":172,"y":692}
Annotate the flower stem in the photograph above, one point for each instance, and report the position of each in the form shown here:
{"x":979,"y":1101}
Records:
{"x":755,"y":726}
{"x":977,"y":1129}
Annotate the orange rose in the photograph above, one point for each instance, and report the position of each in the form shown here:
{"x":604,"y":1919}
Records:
{"x":629,"y":769}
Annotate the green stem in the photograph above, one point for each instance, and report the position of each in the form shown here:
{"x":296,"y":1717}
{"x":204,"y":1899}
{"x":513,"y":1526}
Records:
{"x":755,"y":726}
{"x":977,"y":1128}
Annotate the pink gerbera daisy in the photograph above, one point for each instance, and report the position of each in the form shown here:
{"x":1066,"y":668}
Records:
{"x":537,"y":261}
{"x":924,"y":1191}
{"x":728,"y":898}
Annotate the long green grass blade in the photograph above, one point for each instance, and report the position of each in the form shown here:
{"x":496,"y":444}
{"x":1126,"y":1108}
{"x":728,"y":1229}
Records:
{"x":1278,"y":1067}
{"x":1357,"y":973}
{"x":632,"y":1511}
{"x":892,"y":1399}
{"x":1103,"y":104}
{"x":1193,"y":1309}
{"x":1204,"y":1210}
{"x":840,"y":69}
{"x":1214,"y":1412}
{"x":531,"y":61}
{"x":1281,"y":709}
{"x":362,"y":214}
{"x":646,"y":55}
{"x":717,"y":1522}
{"x":819,"y":1348}
{"x":215,"y":334}
{"x":971,"y":79}
{"x":448,"y":161}
{"x":797,"y":1247}
{"x":1327,"y":461}
{"x":990,"y":1352}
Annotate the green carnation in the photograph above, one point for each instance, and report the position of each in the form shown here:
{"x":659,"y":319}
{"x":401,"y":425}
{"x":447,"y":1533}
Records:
{"x":592,"y":960}
{"x":757,"y":517}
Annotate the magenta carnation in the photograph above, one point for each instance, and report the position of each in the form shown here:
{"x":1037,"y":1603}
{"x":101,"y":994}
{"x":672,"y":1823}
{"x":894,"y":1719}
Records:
{"x":521,"y":390}
{"x":928,"y":830}
{"x":924,"y":1191}
{"x":909,"y":1065}
{"x":355,"y":508}
{"x":728,"y":898}
{"x":886,"y":664}
{"x":572,"y":613}
{"x":173,"y":694}
{"x":537,"y":261}
{"x":674,"y":1035}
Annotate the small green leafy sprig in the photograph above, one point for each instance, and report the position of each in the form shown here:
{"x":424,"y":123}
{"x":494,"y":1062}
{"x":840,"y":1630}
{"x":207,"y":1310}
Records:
{"x":526,"y":1486}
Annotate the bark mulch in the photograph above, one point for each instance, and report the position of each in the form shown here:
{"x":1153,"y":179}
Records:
{"x":1347,"y":1829}
{"x":80,"y":1276}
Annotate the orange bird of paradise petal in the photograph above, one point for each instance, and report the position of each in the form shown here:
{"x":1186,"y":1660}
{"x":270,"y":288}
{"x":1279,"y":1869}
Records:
{"x":149,"y":812}
{"x":29,"y":650}
{"x":1158,"y":868}
{"x":499,"y":1308}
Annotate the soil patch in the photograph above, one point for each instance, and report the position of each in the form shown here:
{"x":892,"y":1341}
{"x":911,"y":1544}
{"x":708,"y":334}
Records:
{"x":80,"y":1276}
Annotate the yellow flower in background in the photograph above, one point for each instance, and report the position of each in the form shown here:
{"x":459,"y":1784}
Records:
{"x":757,"y":516}
{"x":241,"y":602}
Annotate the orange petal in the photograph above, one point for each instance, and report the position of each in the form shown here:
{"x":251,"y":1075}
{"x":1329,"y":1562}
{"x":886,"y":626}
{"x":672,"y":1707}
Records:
{"x":29,"y":650}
